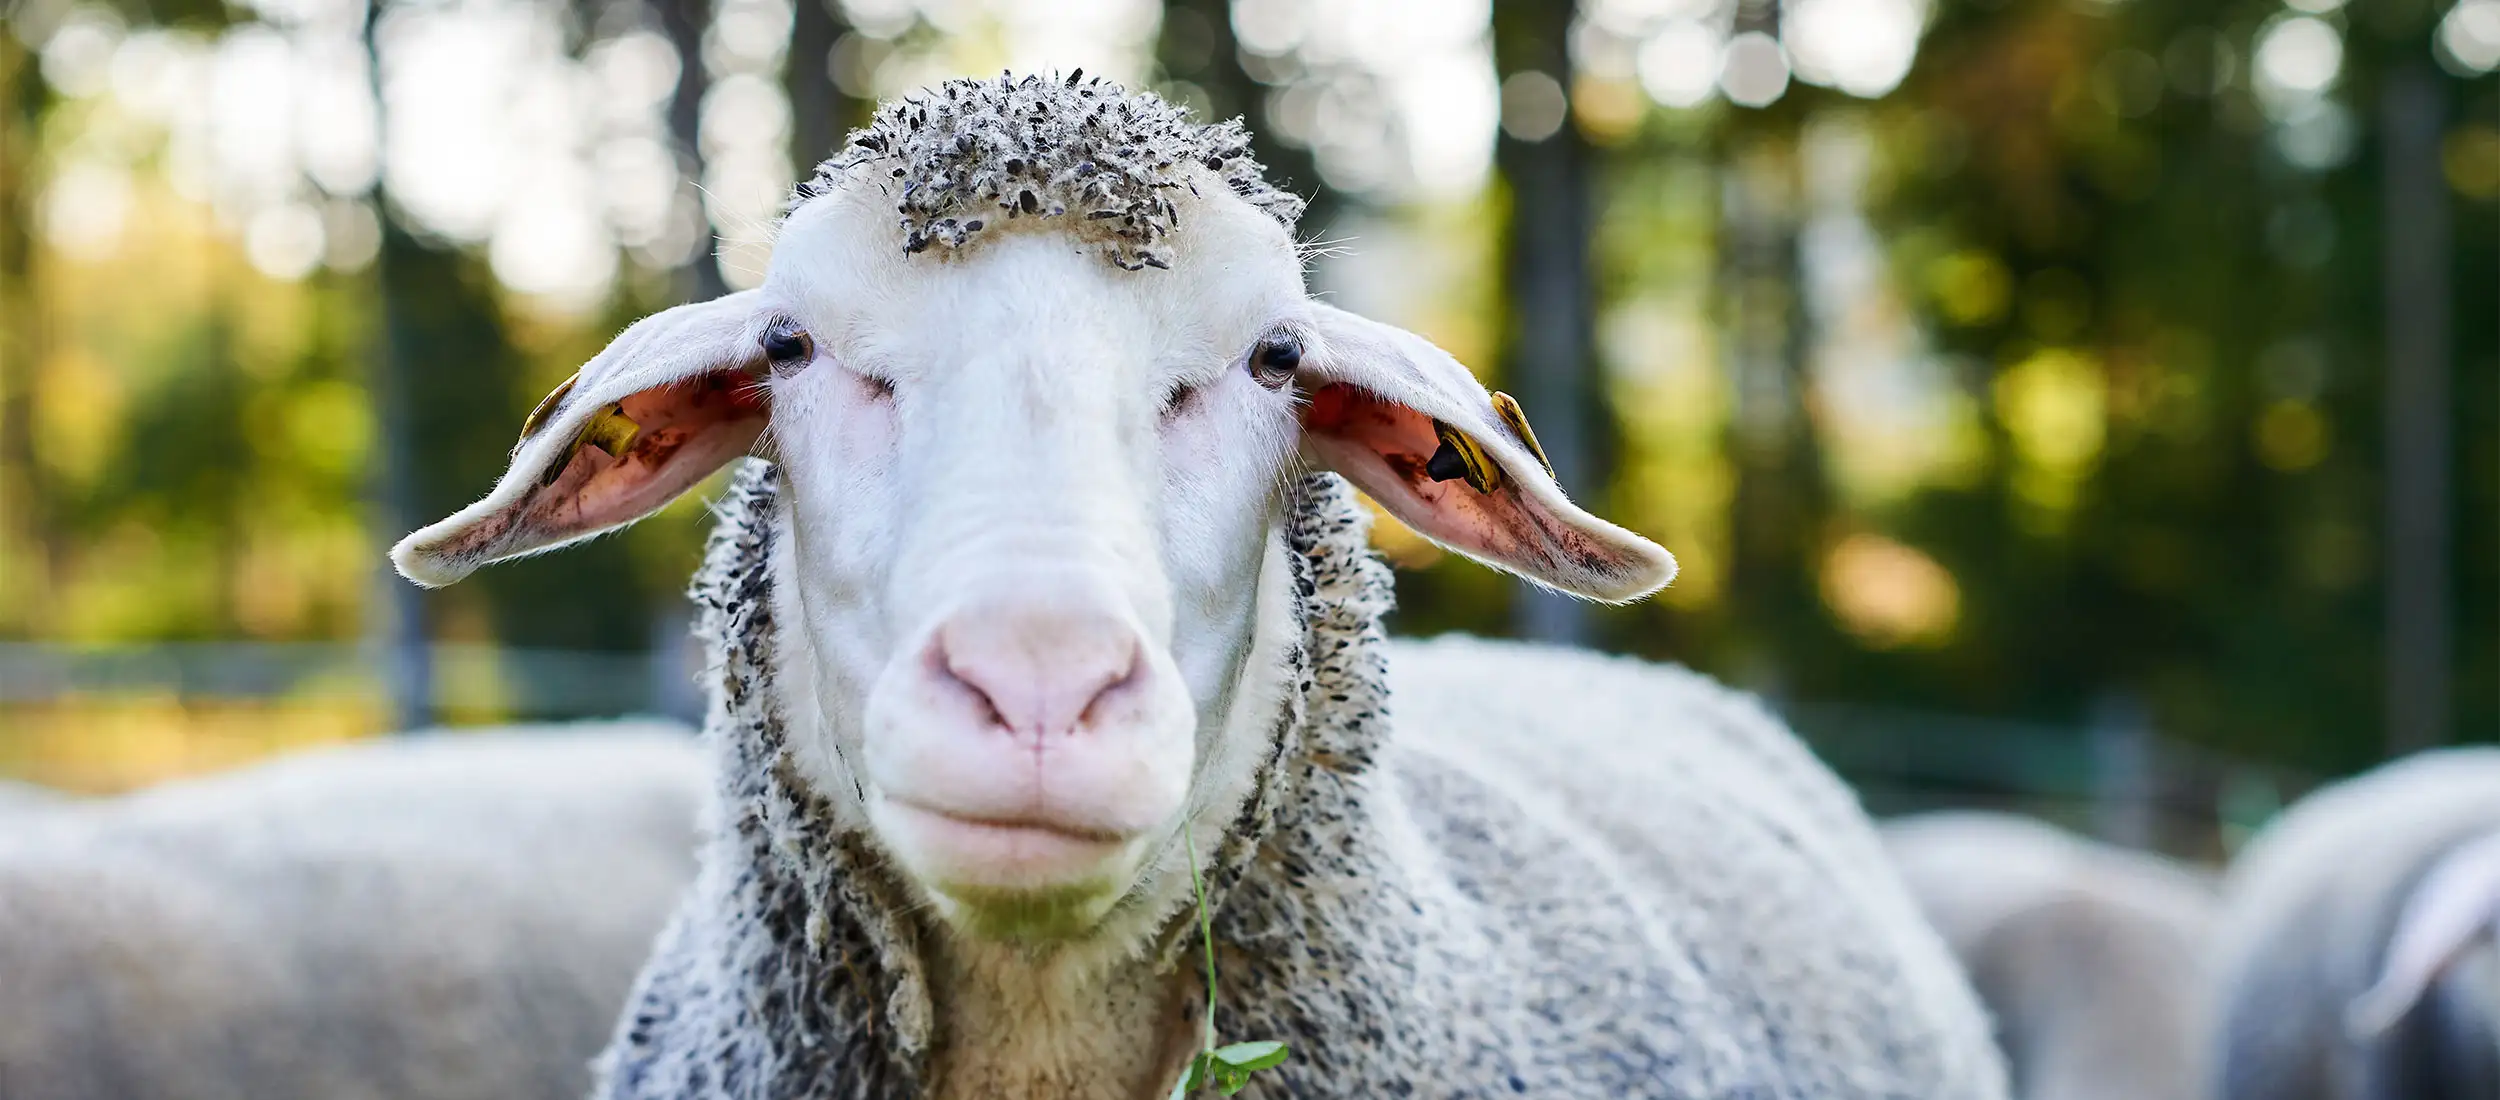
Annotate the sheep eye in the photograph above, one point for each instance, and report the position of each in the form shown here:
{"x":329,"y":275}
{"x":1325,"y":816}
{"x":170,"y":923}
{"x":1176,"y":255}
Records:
{"x":787,"y":347}
{"x":1272,"y":363}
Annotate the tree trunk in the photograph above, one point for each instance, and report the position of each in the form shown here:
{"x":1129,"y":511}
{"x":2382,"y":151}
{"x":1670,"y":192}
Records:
{"x":820,"y":115}
{"x":684,"y":21}
{"x":2417,"y":256}
{"x":405,"y":641}
{"x":1198,"y":46}
{"x":31,"y":551}
{"x":1547,"y":353}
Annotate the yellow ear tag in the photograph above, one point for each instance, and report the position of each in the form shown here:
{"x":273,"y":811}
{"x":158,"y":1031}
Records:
{"x":1507,"y":407}
{"x":1461,"y":457}
{"x":611,"y":431}
{"x":546,"y":408}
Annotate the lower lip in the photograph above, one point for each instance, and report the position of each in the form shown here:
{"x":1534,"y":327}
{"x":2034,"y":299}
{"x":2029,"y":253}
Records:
{"x":993,"y":855}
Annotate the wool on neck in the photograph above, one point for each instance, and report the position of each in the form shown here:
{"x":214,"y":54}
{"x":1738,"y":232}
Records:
{"x":802,"y":966}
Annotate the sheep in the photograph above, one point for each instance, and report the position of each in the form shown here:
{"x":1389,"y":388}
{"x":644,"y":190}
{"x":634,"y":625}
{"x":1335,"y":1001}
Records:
{"x":444,"y":918}
{"x":2447,"y":917}
{"x":1031,"y":631}
{"x":2333,"y":981}
{"x":16,"y":796}
{"x":2090,"y":957}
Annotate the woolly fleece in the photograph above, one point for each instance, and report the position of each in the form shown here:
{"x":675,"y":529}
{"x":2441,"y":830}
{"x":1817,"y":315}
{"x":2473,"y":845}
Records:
{"x":2091,"y":957}
{"x":15,"y":796}
{"x":2308,"y":908}
{"x":1572,"y":877}
{"x":453,"y":917}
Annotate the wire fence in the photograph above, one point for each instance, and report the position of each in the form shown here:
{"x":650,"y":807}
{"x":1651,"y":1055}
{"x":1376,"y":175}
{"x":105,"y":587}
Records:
{"x":469,"y":679}
{"x":111,"y":717}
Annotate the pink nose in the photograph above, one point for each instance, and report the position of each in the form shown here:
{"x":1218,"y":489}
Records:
{"x":1042,"y":671}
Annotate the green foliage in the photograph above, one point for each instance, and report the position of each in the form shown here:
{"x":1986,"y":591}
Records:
{"x":2156,"y":342}
{"x":2091,"y":232}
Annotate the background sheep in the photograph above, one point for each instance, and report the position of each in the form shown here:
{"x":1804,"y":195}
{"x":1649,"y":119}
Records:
{"x":2090,"y":957}
{"x":1031,"y":621}
{"x":16,"y":796}
{"x":2311,"y":908}
{"x":2446,"y":923}
{"x":447,"y":918}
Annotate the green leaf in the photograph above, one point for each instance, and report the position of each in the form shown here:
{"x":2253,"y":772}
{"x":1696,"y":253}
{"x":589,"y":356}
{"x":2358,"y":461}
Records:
{"x":1230,"y":1081}
{"x":1250,"y":1056}
{"x":1191,"y":1080}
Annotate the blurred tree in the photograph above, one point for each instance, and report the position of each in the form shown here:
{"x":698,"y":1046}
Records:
{"x":2164,"y":280}
{"x":30,"y":544}
{"x":684,"y":22}
{"x":1197,"y":48}
{"x":1781,"y":513}
{"x":2195,"y":330}
{"x":821,"y":115}
{"x":1544,"y":163}
{"x":399,"y":494}
{"x":2416,"y":247}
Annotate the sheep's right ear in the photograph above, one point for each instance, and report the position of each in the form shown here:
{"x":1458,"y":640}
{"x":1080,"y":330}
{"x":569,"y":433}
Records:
{"x":673,"y":398}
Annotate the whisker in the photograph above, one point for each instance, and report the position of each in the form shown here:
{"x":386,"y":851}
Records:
{"x":1318,"y":249}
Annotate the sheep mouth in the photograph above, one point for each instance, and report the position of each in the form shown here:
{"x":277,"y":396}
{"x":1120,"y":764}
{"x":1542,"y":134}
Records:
{"x":1038,"y":825}
{"x":1008,"y":863}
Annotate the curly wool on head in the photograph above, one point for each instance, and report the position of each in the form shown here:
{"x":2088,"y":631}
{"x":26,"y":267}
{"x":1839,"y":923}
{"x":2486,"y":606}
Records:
{"x":970,"y":154}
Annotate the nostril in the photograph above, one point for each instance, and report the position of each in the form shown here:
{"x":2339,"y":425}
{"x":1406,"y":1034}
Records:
{"x":1034,"y":676}
{"x":941,"y":667}
{"x":1119,"y":685}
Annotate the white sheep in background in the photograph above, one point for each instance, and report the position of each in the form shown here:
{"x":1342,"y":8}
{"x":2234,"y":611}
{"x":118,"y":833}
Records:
{"x":2090,"y":957}
{"x":1033,"y":611}
{"x":2447,"y":917}
{"x":15,"y":796}
{"x":445,"y":918}
{"x":2357,"y":962}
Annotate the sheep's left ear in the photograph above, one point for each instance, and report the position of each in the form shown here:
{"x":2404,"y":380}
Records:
{"x":1409,"y":426}
{"x":673,"y":398}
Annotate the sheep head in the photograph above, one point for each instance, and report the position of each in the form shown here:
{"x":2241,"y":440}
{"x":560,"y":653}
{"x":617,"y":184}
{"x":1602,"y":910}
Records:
{"x":1035,"y":434}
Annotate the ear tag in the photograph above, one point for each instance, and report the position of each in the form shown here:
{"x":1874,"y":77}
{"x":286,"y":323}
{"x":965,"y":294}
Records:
{"x":1507,"y":407}
{"x":610,"y":430}
{"x":1460,"y":457}
{"x":546,"y":408}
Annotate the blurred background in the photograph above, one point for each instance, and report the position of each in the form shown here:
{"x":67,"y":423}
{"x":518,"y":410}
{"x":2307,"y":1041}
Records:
{"x":2088,"y":406}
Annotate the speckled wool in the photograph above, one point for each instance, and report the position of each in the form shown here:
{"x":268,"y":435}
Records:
{"x":1567,"y":876}
{"x":969,"y":154}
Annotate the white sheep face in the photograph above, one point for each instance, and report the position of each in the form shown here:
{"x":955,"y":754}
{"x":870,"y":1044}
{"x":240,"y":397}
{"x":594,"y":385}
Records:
{"x":1031,"y":554}
{"x":1032,"y":494}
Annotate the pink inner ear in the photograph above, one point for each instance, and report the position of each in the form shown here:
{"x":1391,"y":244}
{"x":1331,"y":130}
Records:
{"x":1382,"y":447}
{"x":687,"y":430}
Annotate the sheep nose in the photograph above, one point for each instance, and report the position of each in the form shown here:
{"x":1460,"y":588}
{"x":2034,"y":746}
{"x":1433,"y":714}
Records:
{"x":1042,"y":670}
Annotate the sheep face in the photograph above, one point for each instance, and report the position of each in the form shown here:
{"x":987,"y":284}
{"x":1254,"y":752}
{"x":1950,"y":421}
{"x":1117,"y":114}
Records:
{"x":1030,"y":590}
{"x":1032,"y":497}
